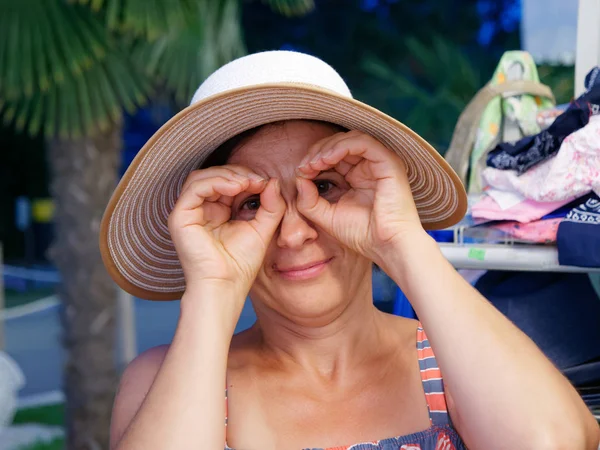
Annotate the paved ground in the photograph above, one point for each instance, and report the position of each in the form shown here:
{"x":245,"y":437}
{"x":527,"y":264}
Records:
{"x":33,"y":340}
{"x":32,"y":334}
{"x":20,"y":436}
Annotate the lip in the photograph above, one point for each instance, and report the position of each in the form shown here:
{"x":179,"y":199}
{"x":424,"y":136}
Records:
{"x":304,"y":272}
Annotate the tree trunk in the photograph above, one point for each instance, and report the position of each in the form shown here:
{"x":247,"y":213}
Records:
{"x":84,"y":174}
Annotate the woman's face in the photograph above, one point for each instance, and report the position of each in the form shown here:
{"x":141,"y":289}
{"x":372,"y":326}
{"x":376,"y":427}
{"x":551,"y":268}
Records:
{"x":307,"y":276}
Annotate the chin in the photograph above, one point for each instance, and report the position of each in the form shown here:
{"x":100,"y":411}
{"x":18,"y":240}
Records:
{"x":304,"y":300}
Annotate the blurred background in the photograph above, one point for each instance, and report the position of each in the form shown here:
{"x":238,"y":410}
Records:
{"x":84,"y":84}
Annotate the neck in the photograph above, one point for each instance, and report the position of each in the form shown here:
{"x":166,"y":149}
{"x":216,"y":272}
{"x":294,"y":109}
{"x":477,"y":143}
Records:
{"x":329,"y":350}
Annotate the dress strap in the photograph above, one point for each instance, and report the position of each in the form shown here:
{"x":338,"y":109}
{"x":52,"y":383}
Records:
{"x":432,"y":381}
{"x":226,"y":418}
{"x":226,"y":407}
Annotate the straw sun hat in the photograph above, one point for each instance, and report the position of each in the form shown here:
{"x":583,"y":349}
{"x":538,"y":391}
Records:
{"x":250,"y":91}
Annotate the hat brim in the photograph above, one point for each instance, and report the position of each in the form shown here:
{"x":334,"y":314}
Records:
{"x":134,"y":238}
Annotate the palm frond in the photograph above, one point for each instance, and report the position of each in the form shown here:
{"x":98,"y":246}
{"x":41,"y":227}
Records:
{"x":439,"y":85}
{"x":84,"y":104}
{"x":45,"y":42}
{"x":182,"y":59}
{"x":291,"y":7}
{"x":561,"y":80}
{"x":147,"y":19}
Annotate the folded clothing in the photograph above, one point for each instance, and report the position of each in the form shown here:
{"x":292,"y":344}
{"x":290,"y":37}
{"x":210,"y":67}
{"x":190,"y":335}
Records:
{"x":537,"y":232}
{"x":532,"y":150}
{"x":507,"y":117}
{"x":524,"y":212}
{"x":572,"y":173}
{"x":578,"y":237}
{"x":546,"y":117}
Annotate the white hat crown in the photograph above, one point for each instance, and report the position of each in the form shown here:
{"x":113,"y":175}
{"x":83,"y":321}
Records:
{"x":278,"y":66}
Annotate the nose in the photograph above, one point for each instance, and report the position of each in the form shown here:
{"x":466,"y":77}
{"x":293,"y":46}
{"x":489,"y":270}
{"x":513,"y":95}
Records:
{"x":295,"y":230}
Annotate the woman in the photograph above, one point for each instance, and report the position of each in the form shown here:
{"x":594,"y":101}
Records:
{"x":294,"y":212}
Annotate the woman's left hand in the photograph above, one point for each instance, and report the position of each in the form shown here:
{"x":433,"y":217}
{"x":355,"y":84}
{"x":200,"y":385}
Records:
{"x":378,"y":210}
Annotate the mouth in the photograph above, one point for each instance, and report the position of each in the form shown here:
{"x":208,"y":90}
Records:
{"x":305,"y":271}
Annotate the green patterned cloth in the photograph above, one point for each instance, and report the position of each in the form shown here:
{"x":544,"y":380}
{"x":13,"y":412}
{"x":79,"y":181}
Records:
{"x":508,"y":118}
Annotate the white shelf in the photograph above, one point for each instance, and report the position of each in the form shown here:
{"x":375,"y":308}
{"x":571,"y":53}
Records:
{"x":527,"y":258}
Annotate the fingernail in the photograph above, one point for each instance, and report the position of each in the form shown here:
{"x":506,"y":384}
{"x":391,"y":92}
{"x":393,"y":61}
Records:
{"x":317,"y":157}
{"x":239,"y":177}
{"x":255,"y":177}
{"x":304,"y":161}
{"x":300,"y":174}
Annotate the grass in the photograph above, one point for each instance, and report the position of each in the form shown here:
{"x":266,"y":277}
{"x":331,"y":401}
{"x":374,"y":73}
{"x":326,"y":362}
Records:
{"x":56,"y":444}
{"x":14,"y":298}
{"x":52,"y":415}
{"x":46,"y":415}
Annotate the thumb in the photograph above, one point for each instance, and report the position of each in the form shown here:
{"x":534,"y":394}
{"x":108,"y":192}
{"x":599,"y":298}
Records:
{"x":312,"y":206}
{"x":271,"y":211}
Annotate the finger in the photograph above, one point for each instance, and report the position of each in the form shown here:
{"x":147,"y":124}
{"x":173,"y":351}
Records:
{"x":213,"y":215}
{"x":321,"y":160}
{"x":312,"y":206}
{"x":318,"y":147}
{"x":343,"y":167}
{"x":199,"y":191}
{"x":313,"y":164}
{"x":230,"y":172}
{"x":247,"y":187}
{"x":271,"y":211}
{"x":352,"y":150}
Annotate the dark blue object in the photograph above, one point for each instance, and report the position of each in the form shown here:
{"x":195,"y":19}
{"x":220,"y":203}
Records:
{"x":402,"y":306}
{"x":578,"y":237}
{"x":560,"y":312}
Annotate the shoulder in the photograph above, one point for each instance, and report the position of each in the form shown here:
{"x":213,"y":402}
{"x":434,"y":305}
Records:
{"x":133,"y":388}
{"x":404,"y":329}
{"x":145,"y":366}
{"x":243,"y":350}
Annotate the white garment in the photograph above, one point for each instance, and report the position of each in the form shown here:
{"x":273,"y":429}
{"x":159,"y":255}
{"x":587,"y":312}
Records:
{"x":573,"y":172}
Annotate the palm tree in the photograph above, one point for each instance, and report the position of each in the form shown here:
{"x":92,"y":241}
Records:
{"x":68,"y":70}
{"x":431,"y":90}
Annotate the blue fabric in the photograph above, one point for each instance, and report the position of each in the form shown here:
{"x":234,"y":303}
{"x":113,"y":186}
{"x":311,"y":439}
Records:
{"x":560,"y":312}
{"x":402,"y":306}
{"x":531,"y":150}
{"x":566,"y":209}
{"x":584,"y":374}
{"x":578,"y":237}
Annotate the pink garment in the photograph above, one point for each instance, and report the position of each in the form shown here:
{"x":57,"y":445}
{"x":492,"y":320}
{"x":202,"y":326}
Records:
{"x":573,"y":172}
{"x":539,"y":232}
{"x":526,"y":211}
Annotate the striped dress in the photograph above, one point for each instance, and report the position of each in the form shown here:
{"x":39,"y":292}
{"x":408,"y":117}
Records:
{"x":441,"y":435}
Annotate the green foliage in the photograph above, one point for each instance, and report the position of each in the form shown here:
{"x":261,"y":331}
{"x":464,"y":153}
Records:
{"x":43,"y":42}
{"x":291,"y":7}
{"x":561,"y":79}
{"x":148,"y":19}
{"x":433,"y":92}
{"x":84,"y":104}
{"x":211,"y":37}
{"x":70,"y":67}
{"x":61,"y":72}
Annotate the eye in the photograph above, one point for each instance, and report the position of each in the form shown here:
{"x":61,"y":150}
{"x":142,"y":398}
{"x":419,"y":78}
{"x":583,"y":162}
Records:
{"x":251,"y":204}
{"x":323,"y":186}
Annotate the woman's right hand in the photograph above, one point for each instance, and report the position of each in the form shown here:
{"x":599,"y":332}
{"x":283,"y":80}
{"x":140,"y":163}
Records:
{"x":212,"y":248}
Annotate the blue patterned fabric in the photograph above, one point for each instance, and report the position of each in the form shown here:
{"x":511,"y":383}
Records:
{"x":578,"y":237}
